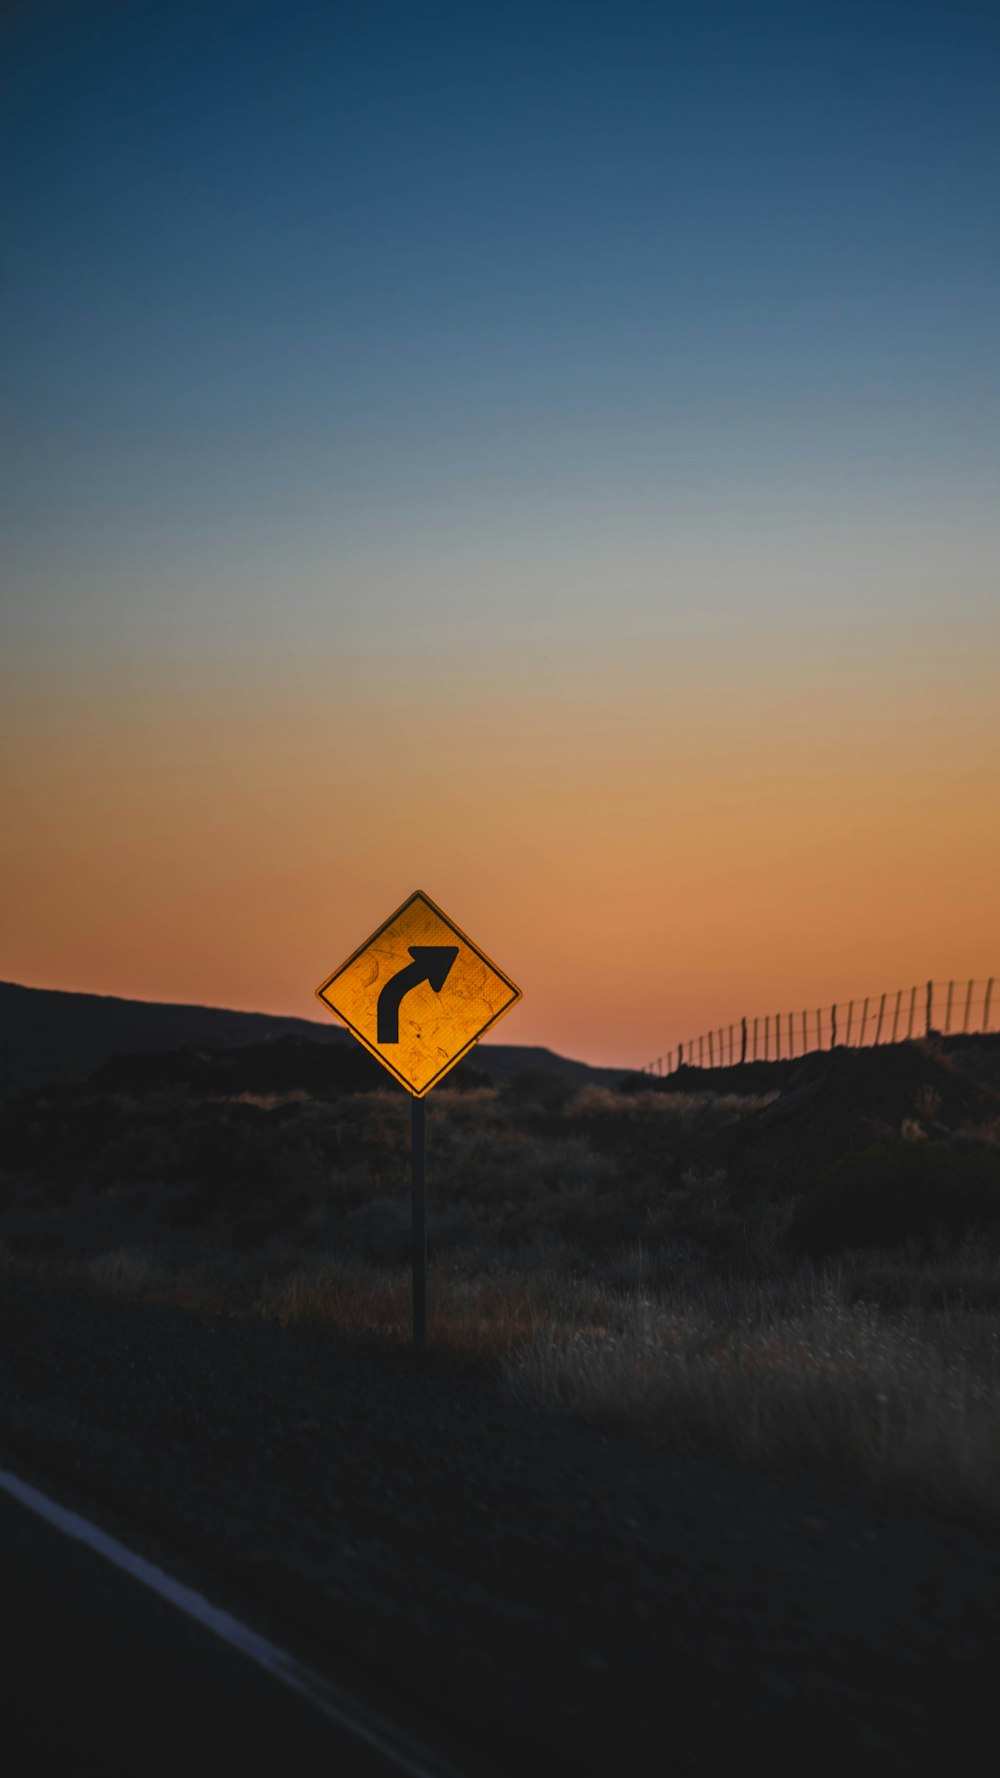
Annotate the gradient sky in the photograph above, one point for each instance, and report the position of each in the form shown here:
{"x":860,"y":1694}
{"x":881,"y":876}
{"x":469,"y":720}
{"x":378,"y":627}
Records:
{"x":542,"y":454}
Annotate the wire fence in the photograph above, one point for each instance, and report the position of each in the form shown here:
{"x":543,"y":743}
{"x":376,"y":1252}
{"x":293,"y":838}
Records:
{"x":935,"y":1008}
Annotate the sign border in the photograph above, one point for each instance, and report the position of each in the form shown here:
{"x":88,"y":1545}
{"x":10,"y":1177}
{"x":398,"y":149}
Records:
{"x":372,"y":1048}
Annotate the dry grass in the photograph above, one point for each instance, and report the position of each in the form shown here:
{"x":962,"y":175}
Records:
{"x":264,"y":1101}
{"x":908,"y":1404}
{"x":880,"y":1369}
{"x":597,"y":1101}
{"x":124,"y":1271}
{"x":480,"y":1317}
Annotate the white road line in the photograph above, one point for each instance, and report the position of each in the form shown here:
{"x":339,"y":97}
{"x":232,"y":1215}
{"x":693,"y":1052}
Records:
{"x":319,"y":1691}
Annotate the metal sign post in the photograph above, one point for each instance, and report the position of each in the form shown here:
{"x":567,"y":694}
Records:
{"x":418,"y":994}
{"x":419,"y":1252}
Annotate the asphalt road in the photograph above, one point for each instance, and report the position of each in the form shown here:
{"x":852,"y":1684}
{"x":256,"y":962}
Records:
{"x":103,"y":1675}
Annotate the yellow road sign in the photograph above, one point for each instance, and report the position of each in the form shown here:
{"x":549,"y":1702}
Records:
{"x":418,"y":993}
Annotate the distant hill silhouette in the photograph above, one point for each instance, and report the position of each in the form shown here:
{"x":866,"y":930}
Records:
{"x":47,"y":1035}
{"x":278,"y":1065}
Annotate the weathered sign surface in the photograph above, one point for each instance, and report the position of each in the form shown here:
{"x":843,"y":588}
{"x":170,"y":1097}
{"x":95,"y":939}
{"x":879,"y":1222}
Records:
{"x":418,"y":993}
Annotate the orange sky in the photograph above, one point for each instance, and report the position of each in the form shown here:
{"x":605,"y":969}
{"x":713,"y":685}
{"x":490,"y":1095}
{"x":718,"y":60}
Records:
{"x":650,"y":841}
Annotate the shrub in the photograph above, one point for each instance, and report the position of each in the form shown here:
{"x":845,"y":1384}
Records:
{"x":909,"y":1191}
{"x":539,"y":1087}
{"x":697,"y":1210}
{"x":594,"y":1221}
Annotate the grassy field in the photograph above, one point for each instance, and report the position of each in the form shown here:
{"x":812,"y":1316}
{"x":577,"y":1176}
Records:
{"x":801,"y":1277}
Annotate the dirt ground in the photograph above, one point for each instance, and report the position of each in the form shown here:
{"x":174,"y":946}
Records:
{"x":548,"y":1598}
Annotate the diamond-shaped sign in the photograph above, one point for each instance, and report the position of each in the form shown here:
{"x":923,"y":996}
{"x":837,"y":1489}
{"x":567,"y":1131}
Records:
{"x":418,"y":993}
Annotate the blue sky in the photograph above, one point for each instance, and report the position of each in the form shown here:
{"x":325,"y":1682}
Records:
{"x":308,"y":278}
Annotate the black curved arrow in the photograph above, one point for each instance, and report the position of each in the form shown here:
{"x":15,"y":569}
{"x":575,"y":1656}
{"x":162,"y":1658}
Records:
{"x":431,"y":963}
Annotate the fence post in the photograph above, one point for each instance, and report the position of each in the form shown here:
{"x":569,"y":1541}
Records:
{"x":749,"y":1048}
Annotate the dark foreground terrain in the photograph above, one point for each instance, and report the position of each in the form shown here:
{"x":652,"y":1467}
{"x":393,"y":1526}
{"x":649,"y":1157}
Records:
{"x":553,"y":1598}
{"x":701,"y":1472}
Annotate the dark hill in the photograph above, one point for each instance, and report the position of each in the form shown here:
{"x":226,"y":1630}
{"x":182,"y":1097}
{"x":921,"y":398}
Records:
{"x":281,"y":1065}
{"x":836,"y":1103}
{"x":47,"y":1035}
